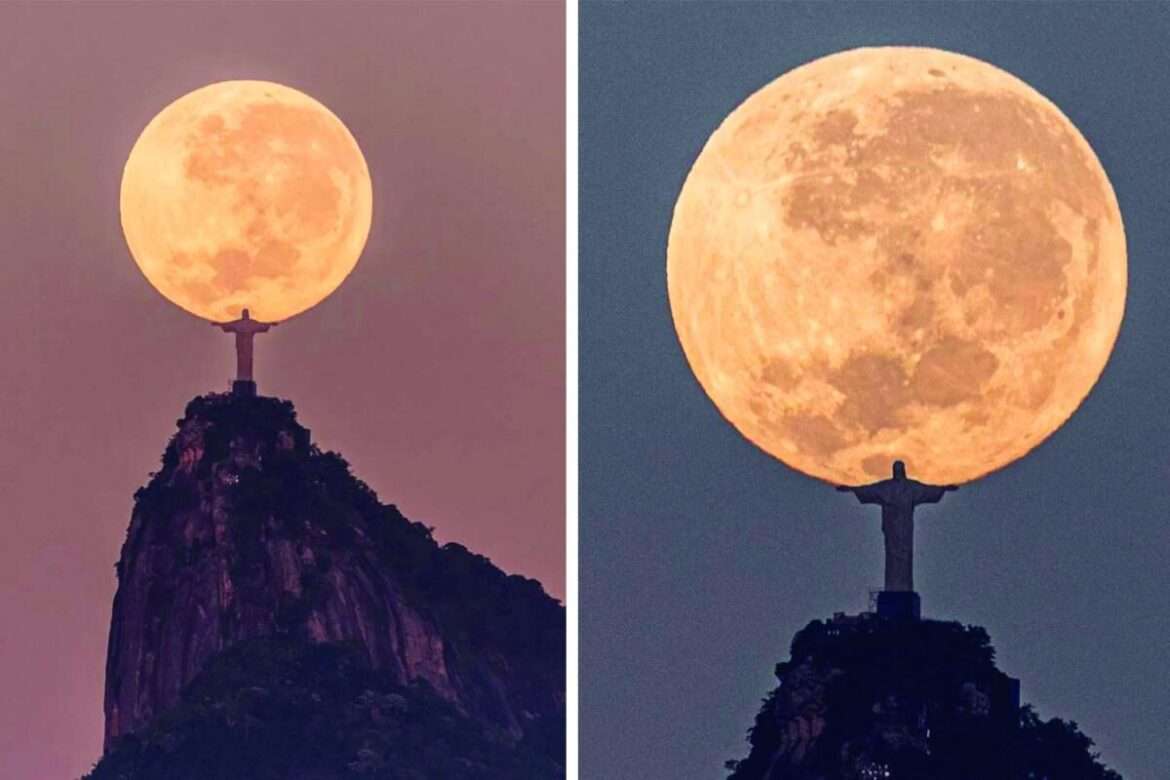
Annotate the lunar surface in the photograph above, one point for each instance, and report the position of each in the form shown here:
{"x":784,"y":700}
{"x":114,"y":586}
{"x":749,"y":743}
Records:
{"x":897,"y":253}
{"x":246,"y":194}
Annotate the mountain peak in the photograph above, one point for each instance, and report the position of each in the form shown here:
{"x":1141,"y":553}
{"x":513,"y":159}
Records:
{"x":867,"y":697}
{"x":250,"y":531}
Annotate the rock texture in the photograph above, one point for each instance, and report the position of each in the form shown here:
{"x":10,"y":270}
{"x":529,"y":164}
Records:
{"x":250,"y":531}
{"x":293,"y":709}
{"x":866,"y":698}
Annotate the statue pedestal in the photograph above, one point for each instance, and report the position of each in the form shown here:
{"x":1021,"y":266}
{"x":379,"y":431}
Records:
{"x":244,"y":388}
{"x":899,"y":605}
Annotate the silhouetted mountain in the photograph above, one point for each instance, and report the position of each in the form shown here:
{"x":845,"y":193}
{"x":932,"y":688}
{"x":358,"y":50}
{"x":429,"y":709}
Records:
{"x":286,"y":709}
{"x":863,"y":698}
{"x":250,"y":532}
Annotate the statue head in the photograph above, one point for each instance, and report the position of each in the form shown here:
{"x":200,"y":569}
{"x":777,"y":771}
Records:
{"x":245,"y":315}
{"x":899,"y":470}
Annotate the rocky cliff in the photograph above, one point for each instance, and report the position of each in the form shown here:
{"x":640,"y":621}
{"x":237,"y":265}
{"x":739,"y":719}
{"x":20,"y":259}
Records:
{"x":249,"y":531}
{"x":291,"y":709}
{"x":868,"y":698}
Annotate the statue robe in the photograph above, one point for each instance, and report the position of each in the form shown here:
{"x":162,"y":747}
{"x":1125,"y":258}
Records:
{"x":898,"y":497}
{"x":245,"y":330}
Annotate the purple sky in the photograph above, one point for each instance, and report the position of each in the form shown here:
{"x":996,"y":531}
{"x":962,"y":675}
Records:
{"x":437,"y":369}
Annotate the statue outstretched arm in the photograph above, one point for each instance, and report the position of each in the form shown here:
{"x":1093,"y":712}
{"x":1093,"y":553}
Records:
{"x":931,"y":494}
{"x":866,"y":494}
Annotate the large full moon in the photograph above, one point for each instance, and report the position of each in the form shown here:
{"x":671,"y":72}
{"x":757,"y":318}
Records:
{"x":897,"y":253}
{"x":246,"y":194}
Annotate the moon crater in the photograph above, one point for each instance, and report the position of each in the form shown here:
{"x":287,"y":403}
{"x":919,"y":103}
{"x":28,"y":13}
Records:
{"x":897,"y":253}
{"x":246,"y":194}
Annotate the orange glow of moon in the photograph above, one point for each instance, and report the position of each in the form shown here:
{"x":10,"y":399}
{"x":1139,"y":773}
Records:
{"x":246,"y":194}
{"x":897,"y":253}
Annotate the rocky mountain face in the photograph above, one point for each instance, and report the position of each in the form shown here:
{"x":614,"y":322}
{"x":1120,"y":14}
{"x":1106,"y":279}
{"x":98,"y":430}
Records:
{"x":249,"y":531}
{"x":291,"y":709}
{"x":868,"y":698}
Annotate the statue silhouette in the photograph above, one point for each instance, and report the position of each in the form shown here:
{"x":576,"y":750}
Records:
{"x":245,"y":329}
{"x":898,"y":497}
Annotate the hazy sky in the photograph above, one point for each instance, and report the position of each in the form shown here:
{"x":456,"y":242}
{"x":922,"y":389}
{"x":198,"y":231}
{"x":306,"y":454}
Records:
{"x":437,"y":369}
{"x":701,"y":556}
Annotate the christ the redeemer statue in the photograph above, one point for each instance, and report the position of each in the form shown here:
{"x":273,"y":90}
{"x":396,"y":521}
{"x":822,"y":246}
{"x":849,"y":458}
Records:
{"x":898,"y":497}
{"x":245,"y":329}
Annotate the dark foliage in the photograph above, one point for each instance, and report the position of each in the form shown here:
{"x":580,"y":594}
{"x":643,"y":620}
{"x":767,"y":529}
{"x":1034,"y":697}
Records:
{"x":1055,"y":749}
{"x":272,"y":709}
{"x":280,"y":485}
{"x":920,"y":700}
{"x":474,"y":601}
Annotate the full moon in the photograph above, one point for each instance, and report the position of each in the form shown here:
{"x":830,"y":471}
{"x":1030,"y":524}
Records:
{"x":897,"y":253}
{"x":246,"y":194}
